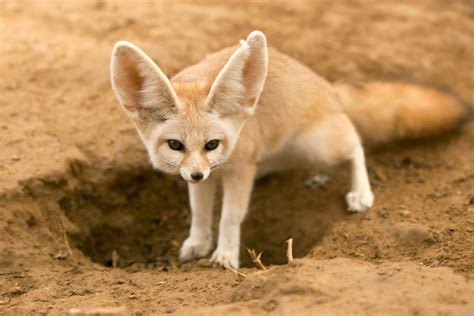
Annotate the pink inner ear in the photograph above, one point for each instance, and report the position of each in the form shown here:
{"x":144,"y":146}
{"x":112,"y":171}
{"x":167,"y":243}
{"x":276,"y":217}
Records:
{"x":253,"y":74}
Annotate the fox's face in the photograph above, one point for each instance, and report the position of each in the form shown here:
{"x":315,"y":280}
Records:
{"x":192,"y":146}
{"x":190,"y":128}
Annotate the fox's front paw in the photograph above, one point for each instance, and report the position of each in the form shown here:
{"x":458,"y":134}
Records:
{"x":359,"y":201}
{"x":195,"y":248}
{"x":226,"y":257}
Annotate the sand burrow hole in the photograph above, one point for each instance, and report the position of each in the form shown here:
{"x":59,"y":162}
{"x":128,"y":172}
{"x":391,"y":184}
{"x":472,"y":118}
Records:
{"x":134,"y":217}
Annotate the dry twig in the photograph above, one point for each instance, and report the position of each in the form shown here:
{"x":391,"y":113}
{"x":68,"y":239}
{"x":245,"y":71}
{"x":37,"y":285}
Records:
{"x":115,"y":258}
{"x":99,"y":311}
{"x":289,"y":250}
{"x":66,"y":239}
{"x":256,"y":259}
{"x":235,"y":271}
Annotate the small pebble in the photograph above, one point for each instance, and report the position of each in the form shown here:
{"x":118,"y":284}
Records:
{"x":317,"y":181}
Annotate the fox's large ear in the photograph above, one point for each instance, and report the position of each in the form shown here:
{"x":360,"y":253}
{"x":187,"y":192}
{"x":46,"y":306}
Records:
{"x":140,"y":86}
{"x":239,"y":84}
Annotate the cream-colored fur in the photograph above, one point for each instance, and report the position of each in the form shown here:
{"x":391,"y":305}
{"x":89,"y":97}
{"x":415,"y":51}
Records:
{"x":387,"y":111}
{"x":268,"y":113}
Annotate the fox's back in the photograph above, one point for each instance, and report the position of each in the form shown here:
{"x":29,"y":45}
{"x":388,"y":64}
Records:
{"x":293,"y":98}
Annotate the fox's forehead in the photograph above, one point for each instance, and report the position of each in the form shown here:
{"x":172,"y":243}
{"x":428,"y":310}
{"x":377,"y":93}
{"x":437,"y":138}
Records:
{"x":202,"y":127}
{"x":191,"y":97}
{"x":192,"y":130}
{"x":193,"y":124}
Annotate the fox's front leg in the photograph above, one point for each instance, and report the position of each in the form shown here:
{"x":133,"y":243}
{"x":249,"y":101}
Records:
{"x":237,"y":186}
{"x":199,"y":242}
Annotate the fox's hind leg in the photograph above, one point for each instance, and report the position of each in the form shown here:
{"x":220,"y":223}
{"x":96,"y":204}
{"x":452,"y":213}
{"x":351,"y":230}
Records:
{"x":361,"y":197}
{"x":334,"y":139}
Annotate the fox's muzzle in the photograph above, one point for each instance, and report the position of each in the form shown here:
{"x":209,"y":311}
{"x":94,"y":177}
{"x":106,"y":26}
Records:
{"x":194,"y":176}
{"x":194,"y":168}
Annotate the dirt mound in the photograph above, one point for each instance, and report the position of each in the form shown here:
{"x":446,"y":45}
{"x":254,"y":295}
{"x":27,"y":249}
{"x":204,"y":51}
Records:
{"x":309,"y":285}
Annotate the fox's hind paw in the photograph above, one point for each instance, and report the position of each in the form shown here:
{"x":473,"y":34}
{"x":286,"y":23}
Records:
{"x":359,"y":201}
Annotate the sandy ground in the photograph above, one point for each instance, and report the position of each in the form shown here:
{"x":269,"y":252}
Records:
{"x":78,"y":198}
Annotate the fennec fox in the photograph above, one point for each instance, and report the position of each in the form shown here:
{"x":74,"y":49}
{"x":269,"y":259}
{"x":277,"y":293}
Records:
{"x":250,"y":110}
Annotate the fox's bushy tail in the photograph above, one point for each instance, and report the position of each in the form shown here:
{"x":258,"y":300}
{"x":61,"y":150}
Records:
{"x":387,"y":111}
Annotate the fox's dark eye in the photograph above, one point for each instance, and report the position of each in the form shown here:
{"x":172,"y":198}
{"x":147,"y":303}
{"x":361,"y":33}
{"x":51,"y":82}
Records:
{"x":175,"y":144}
{"x":211,"y":145}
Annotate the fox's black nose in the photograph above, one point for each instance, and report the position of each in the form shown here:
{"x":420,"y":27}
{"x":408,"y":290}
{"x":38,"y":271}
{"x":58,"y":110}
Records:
{"x":197,"y":175}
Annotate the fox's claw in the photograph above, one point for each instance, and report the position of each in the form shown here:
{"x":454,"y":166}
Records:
{"x":359,"y":201}
{"x":193,"y":248}
{"x":225,"y":258}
